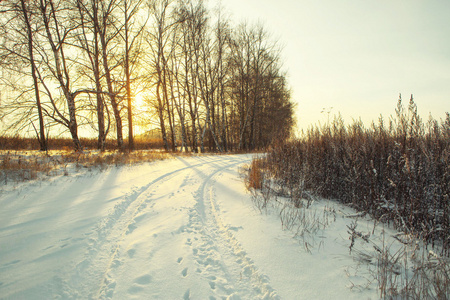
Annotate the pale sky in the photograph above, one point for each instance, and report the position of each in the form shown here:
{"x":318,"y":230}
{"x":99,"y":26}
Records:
{"x":358,"y":55}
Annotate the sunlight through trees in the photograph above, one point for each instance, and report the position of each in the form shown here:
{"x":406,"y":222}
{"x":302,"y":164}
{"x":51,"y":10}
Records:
{"x":96,"y":66}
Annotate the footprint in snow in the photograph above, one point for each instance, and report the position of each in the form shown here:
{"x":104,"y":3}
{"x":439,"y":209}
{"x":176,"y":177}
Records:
{"x":179,"y":260}
{"x":184,"y":272}
{"x":140,"y":217}
{"x":144,"y":279}
{"x":234,"y":228}
{"x":187,"y":295}
{"x":116,"y":263}
{"x":139,"y":283}
{"x":135,"y":289}
{"x":131,"y":228}
{"x":131,"y":253}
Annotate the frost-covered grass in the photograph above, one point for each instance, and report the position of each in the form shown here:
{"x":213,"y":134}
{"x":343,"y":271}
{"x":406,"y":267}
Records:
{"x":396,"y":264}
{"x":398,"y":175}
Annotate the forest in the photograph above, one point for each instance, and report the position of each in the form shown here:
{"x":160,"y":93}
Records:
{"x":172,"y":68}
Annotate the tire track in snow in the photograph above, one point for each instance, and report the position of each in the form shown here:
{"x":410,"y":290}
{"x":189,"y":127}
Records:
{"x":103,"y":252}
{"x":220,"y":257}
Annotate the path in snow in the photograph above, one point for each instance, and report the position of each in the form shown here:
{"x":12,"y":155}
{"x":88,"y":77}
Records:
{"x":169,"y":227}
{"x":176,"y":229}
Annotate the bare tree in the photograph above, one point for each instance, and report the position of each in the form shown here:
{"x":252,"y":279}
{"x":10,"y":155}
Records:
{"x":17,"y":17}
{"x":41,"y":136}
{"x":222,"y":37}
{"x":177,"y":91}
{"x":214,"y":86}
{"x":191,"y":38}
{"x":108,"y":33}
{"x":158,"y":41}
{"x":89,"y":41}
{"x":195,"y":32}
{"x":208,"y":86}
{"x":56,"y":21}
{"x":132,"y":32}
{"x":254,"y":56}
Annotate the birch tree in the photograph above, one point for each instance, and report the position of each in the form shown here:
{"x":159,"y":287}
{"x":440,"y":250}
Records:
{"x":131,"y":35}
{"x":19,"y":30}
{"x":90,"y":43}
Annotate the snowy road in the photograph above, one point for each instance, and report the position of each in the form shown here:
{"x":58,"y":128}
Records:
{"x":176,"y":229}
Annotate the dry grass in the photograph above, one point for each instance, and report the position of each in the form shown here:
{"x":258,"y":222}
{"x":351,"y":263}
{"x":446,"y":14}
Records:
{"x":397,"y":173}
{"x":18,"y":166}
{"x":20,"y":160}
{"x":255,"y":174}
{"x":21,"y":168}
{"x":412,"y":272}
{"x":18,"y":143}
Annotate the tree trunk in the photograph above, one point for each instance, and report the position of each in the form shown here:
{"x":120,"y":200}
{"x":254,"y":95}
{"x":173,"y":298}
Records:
{"x":167,"y":103}
{"x":111,"y":92}
{"x":161,"y":115}
{"x":128,"y":83}
{"x":73,"y":126}
{"x":101,"y":143}
{"x":41,"y":137}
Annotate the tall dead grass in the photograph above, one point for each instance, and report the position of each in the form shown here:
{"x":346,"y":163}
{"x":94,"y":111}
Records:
{"x":399,"y":172}
{"x":255,"y":174}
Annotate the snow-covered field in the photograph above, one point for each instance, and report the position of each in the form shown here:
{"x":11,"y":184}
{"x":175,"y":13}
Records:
{"x":183,"y":228}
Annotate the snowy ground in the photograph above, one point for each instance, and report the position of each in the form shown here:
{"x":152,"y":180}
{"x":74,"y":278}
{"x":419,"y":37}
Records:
{"x":183,"y":228}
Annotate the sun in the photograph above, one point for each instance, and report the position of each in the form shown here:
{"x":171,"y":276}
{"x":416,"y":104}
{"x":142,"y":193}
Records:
{"x":139,"y":100}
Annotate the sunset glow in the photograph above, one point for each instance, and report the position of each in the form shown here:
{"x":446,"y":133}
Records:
{"x":357,"y":56}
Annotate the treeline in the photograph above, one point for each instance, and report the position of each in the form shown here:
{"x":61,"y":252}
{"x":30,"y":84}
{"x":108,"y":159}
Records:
{"x":71,"y":65}
{"x":398,"y":172}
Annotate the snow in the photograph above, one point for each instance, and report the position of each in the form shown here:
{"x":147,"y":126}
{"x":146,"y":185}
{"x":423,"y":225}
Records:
{"x":183,"y":228}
